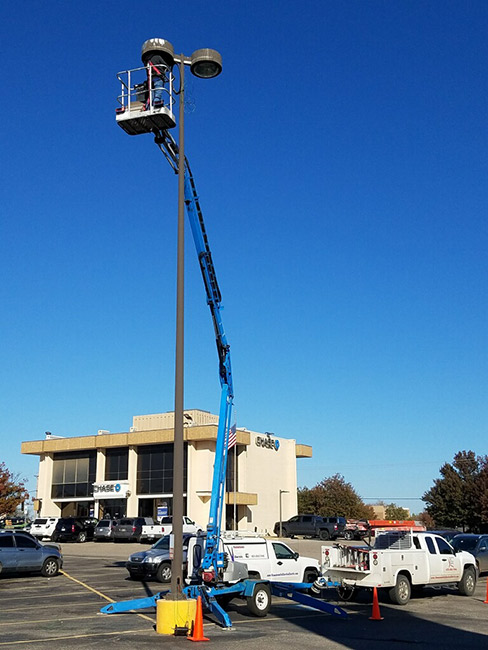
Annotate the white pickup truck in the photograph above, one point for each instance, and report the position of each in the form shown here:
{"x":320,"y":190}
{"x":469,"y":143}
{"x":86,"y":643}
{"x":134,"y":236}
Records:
{"x":265,"y":559}
{"x":165,"y":527}
{"x":400,"y":561}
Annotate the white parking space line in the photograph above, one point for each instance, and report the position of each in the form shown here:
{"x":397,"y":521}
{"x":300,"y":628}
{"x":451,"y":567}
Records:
{"x":73,"y":636}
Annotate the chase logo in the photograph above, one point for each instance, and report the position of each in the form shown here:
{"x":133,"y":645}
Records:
{"x":117,"y":487}
{"x":267,"y":442}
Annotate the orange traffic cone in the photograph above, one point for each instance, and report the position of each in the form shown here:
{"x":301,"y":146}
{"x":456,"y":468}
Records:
{"x":486,"y":600}
{"x":197,"y":634}
{"x":375,"y":616}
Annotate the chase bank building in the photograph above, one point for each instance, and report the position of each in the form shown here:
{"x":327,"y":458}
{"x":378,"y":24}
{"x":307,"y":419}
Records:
{"x":131,"y":474}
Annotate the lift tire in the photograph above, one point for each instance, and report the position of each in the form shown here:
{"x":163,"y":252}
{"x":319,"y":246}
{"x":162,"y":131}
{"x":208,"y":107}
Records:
{"x":401,"y":592}
{"x":260,"y":602}
{"x":50,"y":567}
{"x":467,"y":584}
{"x":81,"y":537}
{"x":163,"y":574}
{"x":324,"y":534}
{"x":349,"y":535}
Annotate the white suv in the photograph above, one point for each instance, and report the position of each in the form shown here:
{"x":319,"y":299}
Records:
{"x":44,"y":527}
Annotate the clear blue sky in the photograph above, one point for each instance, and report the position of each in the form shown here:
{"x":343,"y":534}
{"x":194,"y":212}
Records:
{"x":341,"y":160}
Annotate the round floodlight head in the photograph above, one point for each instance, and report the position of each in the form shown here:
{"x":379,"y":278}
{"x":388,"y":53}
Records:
{"x":158,"y":46}
{"x":206,"y":63}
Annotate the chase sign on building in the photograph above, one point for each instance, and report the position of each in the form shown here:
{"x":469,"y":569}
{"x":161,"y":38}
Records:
{"x":267,"y":442}
{"x":111,"y":490}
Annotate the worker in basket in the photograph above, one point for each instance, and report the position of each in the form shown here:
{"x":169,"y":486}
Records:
{"x":157,"y":56}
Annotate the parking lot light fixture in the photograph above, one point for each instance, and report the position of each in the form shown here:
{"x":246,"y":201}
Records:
{"x":204,"y":63}
{"x":281,"y":512}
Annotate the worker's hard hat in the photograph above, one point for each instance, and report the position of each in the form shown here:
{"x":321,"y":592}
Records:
{"x":162,"y":47}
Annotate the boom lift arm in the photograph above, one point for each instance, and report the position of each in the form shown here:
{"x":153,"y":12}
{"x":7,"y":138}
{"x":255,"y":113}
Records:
{"x":213,"y":561}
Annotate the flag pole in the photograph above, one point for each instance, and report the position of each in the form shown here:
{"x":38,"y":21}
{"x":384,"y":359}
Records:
{"x":235,"y":486}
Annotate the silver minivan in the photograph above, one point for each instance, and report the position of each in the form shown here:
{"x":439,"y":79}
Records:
{"x":104,"y":530}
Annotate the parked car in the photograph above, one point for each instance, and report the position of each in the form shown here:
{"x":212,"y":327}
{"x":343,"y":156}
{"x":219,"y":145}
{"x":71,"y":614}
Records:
{"x":104,"y":530}
{"x":477,"y":545}
{"x":308,"y":525}
{"x":74,"y":529}
{"x":165,"y":527}
{"x":446,"y":533}
{"x":20,"y":552}
{"x":339,"y":525}
{"x":43,"y":527}
{"x":155,"y":562}
{"x":130,"y":528}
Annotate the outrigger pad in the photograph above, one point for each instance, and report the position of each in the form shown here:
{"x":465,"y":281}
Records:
{"x":128,"y":605}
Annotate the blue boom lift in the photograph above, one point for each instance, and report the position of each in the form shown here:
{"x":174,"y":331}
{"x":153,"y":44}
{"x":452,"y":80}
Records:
{"x":208,"y":581}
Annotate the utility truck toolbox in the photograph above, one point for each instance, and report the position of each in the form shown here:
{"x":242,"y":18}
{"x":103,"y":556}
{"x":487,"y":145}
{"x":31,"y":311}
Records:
{"x":398,"y":561}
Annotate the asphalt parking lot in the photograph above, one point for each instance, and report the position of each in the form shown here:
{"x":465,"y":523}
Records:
{"x":63,"y":612}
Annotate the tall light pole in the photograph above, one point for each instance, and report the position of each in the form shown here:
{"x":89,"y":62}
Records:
{"x":205,"y":64}
{"x":281,"y":512}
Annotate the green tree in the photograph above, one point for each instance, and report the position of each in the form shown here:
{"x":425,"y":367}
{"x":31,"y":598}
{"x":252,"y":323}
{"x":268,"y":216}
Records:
{"x":333,"y":496}
{"x":456,"y":499}
{"x":12,"y":491}
{"x":392,"y":511}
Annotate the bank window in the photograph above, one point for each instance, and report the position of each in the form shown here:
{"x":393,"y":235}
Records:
{"x":155,"y":468}
{"x":232,"y":472}
{"x":116,"y":464}
{"x":73,"y":474}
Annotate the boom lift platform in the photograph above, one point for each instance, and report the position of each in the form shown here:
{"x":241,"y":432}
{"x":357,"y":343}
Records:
{"x":218,"y":579}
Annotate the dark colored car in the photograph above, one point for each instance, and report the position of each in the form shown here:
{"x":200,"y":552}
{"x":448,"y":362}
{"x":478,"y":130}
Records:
{"x":129,"y":529}
{"x":104,"y":530}
{"x":155,"y":562}
{"x":446,"y":533}
{"x":477,"y":545}
{"x":339,"y":525}
{"x":74,"y":529}
{"x":309,"y":526}
{"x":21,"y":553}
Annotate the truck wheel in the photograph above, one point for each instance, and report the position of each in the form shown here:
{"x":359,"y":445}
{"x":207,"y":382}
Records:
{"x":324,"y":534}
{"x":310,"y":575}
{"x":81,"y":537}
{"x":401,"y":592}
{"x":467,"y":585}
{"x":349,"y":535}
{"x":163,"y":573}
{"x":50,"y":567}
{"x":260,"y":602}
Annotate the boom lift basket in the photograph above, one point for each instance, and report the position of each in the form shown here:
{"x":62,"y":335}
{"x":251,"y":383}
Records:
{"x":136,"y":112}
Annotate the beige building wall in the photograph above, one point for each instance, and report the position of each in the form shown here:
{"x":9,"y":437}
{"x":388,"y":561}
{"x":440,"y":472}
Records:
{"x":263,"y":468}
{"x":266,"y":472}
{"x":44,"y":486}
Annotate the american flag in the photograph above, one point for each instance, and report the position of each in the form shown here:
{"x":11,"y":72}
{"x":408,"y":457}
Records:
{"x":232,"y":437}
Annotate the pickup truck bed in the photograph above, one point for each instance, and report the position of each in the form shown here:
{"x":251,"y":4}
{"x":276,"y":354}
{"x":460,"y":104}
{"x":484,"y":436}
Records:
{"x":399,"y":561}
